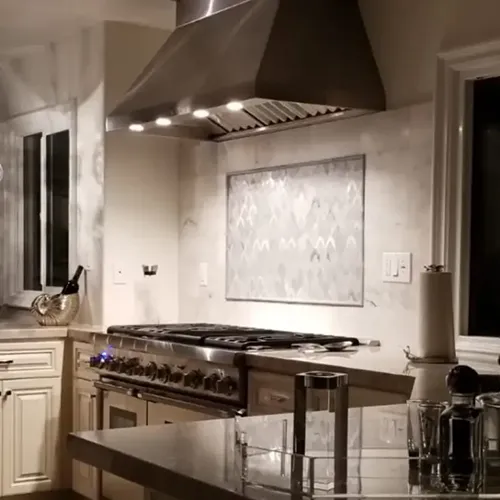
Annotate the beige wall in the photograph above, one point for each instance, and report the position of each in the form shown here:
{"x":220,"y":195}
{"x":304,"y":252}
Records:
{"x":406,"y":35}
{"x":129,"y":48}
{"x":140,"y":227}
{"x":141,"y":194}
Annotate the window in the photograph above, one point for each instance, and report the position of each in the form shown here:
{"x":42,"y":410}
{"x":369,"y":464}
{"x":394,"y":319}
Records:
{"x":465,"y":190}
{"x":46,"y":174}
{"x":484,"y":266}
{"x":32,"y":169}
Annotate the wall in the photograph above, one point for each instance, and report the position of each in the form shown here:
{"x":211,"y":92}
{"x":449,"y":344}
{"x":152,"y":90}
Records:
{"x":141,"y":193}
{"x":141,"y":221}
{"x":52,"y":75}
{"x":398,"y":147}
{"x":406,"y":35}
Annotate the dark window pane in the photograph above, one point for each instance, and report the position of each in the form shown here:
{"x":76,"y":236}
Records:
{"x":57,"y":155}
{"x":484,"y":293}
{"x":31,"y":211}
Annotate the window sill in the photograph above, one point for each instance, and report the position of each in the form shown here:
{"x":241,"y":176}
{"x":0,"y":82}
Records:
{"x":479,"y":349}
{"x":23,"y":299}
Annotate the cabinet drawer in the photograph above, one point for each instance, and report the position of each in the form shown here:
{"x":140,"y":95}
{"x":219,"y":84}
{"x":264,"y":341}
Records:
{"x":270,"y":393}
{"x":31,"y":359}
{"x":81,"y":358}
{"x":273,"y":393}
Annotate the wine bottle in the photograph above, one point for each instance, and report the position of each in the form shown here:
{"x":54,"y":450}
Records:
{"x":72,"y":286}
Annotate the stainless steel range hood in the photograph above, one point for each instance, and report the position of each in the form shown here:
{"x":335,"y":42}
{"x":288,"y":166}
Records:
{"x":288,"y":62}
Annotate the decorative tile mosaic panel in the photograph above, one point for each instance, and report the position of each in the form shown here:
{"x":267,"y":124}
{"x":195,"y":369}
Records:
{"x":295,"y":233}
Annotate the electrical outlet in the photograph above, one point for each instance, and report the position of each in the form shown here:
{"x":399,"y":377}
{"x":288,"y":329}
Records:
{"x":396,"y":267}
{"x":203,"y":272}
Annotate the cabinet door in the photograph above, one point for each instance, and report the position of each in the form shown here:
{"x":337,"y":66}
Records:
{"x":84,"y":419}
{"x":30,"y":434}
{"x":122,"y":411}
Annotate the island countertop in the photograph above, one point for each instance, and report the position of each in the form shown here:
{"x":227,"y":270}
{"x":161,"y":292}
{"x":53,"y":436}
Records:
{"x":201,"y":459}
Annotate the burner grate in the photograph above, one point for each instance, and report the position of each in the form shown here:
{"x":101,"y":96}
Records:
{"x":224,"y":336}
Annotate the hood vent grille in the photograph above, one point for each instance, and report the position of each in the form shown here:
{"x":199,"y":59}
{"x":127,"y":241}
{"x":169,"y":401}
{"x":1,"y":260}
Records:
{"x":258,"y":113}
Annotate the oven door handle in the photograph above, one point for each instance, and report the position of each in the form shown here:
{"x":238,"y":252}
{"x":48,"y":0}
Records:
{"x":218,"y":410}
{"x":211,"y":408}
{"x":122,"y":389}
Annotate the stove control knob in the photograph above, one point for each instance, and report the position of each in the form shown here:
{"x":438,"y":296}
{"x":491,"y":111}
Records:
{"x":227,"y":385}
{"x":176,"y":376}
{"x":138,"y":370}
{"x":210,"y":382}
{"x":106,"y":363}
{"x":164,"y":372}
{"x":115,"y":364}
{"x":95,"y":361}
{"x":122,"y":365}
{"x":130,"y":366}
{"x":151,"y":370}
{"x":193,"y":379}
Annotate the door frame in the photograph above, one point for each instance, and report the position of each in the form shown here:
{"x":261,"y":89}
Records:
{"x":450,"y":211}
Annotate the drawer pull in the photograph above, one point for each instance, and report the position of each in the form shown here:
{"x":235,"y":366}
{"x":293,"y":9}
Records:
{"x":6,"y":362}
{"x":278,"y":398}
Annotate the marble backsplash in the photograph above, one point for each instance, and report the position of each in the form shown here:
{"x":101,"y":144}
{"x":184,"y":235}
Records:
{"x":295,"y":233}
{"x":398,"y":149}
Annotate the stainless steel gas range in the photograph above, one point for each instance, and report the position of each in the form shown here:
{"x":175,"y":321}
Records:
{"x":158,"y":374}
{"x":193,"y":365}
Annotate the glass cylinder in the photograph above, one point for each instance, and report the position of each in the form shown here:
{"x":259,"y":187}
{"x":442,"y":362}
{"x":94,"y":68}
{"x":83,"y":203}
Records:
{"x":461,"y":445}
{"x":315,"y":391}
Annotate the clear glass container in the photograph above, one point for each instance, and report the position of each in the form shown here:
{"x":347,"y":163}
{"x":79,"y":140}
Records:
{"x":490,"y":402}
{"x":461,"y":445}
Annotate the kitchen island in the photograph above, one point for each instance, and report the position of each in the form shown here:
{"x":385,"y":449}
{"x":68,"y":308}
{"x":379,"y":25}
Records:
{"x":202,"y":460}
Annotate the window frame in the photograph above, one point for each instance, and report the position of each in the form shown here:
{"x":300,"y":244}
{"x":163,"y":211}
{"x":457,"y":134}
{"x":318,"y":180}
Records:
{"x":46,"y":121}
{"x":451,"y":177}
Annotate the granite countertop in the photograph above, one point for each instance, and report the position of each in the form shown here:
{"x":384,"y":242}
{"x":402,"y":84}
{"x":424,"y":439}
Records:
{"x":380,"y":368}
{"x":13,"y":331}
{"x":201,"y":460}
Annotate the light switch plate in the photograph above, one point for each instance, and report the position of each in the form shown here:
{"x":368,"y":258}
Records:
{"x":396,"y":267}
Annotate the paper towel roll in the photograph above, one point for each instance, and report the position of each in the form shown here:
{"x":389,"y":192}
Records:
{"x":436,"y":334}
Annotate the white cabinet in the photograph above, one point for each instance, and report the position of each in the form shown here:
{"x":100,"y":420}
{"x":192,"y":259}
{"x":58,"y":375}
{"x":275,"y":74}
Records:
{"x":30,"y":427}
{"x":84,"y":419}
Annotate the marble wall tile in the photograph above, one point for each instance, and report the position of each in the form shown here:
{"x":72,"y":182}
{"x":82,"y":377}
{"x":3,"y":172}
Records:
{"x":398,"y":149}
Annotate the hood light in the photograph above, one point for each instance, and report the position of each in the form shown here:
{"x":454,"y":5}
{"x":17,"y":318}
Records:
{"x":163,"y":122}
{"x":136,"y":127}
{"x":234,"y":106}
{"x":200,"y":113}
{"x":261,"y":129}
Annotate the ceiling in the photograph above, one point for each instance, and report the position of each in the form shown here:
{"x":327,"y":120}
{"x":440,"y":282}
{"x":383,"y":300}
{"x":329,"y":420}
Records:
{"x":25,"y":23}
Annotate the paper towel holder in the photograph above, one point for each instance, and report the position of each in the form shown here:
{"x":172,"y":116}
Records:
{"x":434,"y":268}
{"x":449,"y":358}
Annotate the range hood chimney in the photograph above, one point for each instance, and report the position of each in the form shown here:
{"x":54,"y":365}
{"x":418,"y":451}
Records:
{"x":232,"y":68}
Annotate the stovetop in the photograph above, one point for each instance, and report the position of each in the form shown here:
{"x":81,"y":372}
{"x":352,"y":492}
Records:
{"x":224,"y":336}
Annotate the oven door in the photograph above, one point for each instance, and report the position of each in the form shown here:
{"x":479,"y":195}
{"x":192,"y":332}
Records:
{"x":121,"y":410}
{"x":165,"y":410}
